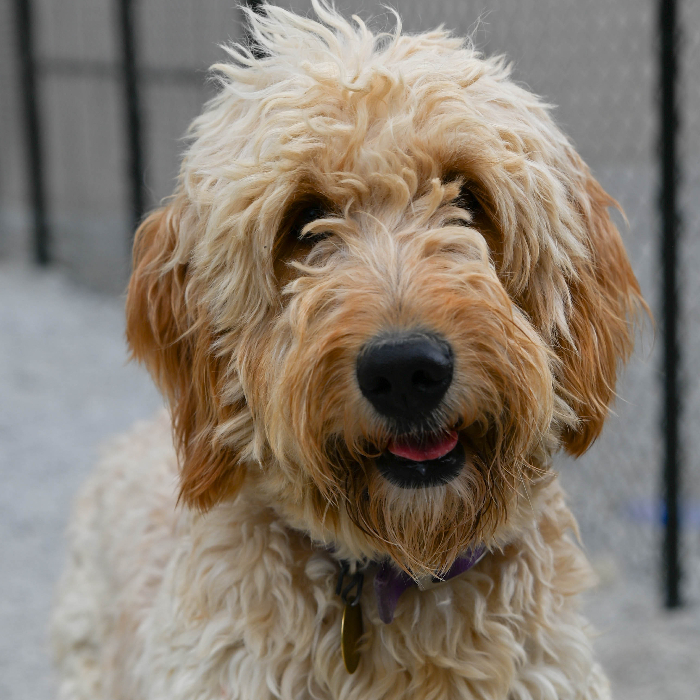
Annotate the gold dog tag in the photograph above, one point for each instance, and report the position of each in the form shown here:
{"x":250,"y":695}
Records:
{"x":350,"y":633}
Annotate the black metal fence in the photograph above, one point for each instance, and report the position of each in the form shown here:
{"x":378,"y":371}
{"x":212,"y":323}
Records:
{"x":135,"y":78}
{"x":670,"y":220}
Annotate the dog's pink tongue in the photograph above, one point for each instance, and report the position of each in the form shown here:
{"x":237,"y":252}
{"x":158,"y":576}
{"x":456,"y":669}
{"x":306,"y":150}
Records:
{"x":434,"y":448}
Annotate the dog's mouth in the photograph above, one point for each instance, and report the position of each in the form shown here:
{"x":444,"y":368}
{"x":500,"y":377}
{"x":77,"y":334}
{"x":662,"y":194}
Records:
{"x":419,"y":462}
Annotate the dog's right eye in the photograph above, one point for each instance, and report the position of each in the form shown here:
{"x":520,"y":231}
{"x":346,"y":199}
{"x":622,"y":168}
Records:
{"x":305,"y":216}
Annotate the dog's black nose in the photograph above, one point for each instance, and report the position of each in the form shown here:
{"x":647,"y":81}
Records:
{"x":406,"y":375}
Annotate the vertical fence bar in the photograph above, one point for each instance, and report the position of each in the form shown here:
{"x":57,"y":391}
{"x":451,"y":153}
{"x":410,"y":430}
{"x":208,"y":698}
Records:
{"x":256,"y":6}
{"x":668,"y":31}
{"x":32,"y":130}
{"x":132,"y":109}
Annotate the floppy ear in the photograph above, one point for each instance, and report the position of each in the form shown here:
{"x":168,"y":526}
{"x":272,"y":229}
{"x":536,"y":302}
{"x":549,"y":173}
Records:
{"x":605,"y":301}
{"x":171,"y":336}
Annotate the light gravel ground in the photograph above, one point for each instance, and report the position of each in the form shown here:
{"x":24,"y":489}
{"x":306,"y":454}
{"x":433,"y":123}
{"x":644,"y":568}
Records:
{"x":65,"y":387}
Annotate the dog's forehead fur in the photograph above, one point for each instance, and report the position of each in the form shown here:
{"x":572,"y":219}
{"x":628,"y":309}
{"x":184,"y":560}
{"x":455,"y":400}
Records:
{"x":369,"y":121}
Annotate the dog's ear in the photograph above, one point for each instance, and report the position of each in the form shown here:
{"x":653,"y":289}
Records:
{"x":168,"y":331}
{"x":605,"y":300}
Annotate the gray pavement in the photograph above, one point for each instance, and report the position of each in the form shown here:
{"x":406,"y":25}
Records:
{"x":65,"y":387}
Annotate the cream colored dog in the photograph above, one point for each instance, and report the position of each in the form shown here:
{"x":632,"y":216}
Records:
{"x":385,"y":292}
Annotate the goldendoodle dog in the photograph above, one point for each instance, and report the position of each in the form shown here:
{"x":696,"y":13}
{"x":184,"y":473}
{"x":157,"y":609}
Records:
{"x":385,"y":292}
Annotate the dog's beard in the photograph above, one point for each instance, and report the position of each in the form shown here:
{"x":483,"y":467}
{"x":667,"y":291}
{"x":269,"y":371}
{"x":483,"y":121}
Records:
{"x":424,"y":530}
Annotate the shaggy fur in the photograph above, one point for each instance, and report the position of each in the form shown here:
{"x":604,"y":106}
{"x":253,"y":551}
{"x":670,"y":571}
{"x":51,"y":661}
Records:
{"x":451,"y":204}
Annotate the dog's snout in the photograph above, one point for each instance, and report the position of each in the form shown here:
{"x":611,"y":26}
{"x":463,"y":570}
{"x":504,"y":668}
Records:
{"x":405,"y":375}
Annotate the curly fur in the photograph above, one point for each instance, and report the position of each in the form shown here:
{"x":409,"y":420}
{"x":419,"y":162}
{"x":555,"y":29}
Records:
{"x":253,"y":335}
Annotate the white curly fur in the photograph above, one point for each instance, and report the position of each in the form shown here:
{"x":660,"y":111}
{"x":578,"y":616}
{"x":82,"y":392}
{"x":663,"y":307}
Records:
{"x":235,"y":604}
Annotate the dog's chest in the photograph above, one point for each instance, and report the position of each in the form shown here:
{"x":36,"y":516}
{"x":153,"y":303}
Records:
{"x":261,"y":619}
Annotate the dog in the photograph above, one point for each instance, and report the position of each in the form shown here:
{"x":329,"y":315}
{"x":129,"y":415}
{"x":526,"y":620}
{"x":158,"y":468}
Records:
{"x":386,"y":291}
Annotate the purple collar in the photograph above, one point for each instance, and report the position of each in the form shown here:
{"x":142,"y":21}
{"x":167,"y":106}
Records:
{"x":390,"y":582}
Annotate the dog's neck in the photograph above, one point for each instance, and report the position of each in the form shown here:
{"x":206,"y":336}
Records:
{"x":390,"y":582}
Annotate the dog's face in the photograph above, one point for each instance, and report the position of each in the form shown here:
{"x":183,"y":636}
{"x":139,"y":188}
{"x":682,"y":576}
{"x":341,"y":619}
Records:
{"x":386,"y":289}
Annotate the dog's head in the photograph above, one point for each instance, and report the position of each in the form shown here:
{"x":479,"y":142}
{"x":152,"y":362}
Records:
{"x":386,"y":288}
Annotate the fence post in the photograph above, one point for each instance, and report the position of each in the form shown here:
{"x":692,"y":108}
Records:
{"x":32,"y":130}
{"x":255,"y":6}
{"x":132,"y":110}
{"x":668,"y":31}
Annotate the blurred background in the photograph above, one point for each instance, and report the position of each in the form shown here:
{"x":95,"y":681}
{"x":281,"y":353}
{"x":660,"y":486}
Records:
{"x":95,"y":96}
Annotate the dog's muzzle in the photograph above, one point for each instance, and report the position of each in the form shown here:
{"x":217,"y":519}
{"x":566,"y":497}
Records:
{"x":405,"y":376}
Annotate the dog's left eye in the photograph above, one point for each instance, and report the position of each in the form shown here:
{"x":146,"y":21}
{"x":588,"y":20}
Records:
{"x":305,"y":216}
{"x":466,"y":199}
